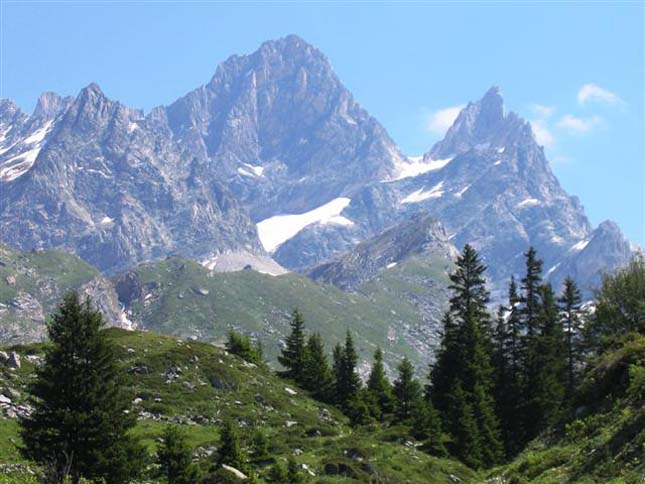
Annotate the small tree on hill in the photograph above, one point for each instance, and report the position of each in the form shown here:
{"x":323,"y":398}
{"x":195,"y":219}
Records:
{"x":294,"y":355}
{"x":407,"y":392}
{"x":347,"y":382}
{"x":571,"y":320}
{"x":378,"y":384}
{"x":229,"y":451}
{"x":175,"y":458}
{"x":318,"y":376}
{"x":80,"y":426}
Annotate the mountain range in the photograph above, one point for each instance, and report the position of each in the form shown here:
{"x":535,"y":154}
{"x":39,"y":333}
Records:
{"x":272,"y":165}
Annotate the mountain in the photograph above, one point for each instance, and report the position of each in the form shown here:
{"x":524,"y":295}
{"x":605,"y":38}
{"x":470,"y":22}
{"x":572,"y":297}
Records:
{"x":490,"y":184}
{"x":273,"y":158}
{"x":33,"y":283}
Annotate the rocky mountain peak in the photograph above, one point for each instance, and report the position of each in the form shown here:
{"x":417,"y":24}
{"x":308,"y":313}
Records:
{"x":482,"y":125}
{"x":50,"y":105}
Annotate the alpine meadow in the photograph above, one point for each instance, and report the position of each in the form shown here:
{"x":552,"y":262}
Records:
{"x":254,"y":283}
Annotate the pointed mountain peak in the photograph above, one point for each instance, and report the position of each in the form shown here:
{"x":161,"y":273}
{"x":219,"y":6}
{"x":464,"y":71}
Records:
{"x":50,"y":105}
{"x":482,"y":125}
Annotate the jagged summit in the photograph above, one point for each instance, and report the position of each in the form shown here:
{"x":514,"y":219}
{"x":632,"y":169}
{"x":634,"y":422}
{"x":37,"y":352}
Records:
{"x":50,"y":105}
{"x":483,"y":124}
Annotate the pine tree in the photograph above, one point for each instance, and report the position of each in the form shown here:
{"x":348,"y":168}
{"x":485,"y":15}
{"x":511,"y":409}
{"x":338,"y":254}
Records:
{"x":426,"y":426}
{"x":551,"y":360}
{"x":240,"y":345}
{"x":80,"y":426}
{"x":465,"y":357}
{"x":467,"y":442}
{"x":378,"y":384}
{"x":347,"y":382}
{"x":407,"y":392}
{"x":229,"y":451}
{"x":294,"y":355}
{"x":571,"y":318}
{"x":317,"y":376}
{"x":175,"y":458}
{"x":531,"y":288}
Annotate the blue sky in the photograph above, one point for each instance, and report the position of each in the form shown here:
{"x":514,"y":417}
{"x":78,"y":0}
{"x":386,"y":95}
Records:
{"x":574,"y":69}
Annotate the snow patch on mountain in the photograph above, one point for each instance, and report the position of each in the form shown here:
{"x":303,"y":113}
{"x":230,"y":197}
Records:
{"x":579,"y":246}
{"x":18,"y":165}
{"x":529,"y":202}
{"x":415,"y":166}
{"x":421,"y":194}
{"x":251,"y":170}
{"x":276,"y":230}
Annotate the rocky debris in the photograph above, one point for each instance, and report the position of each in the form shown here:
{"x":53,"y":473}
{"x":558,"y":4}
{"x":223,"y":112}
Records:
{"x":138,"y":370}
{"x":290,"y":423}
{"x":200,"y":291}
{"x":172,"y":373}
{"x":11,"y":393}
{"x":236,"y":472}
{"x":10,"y":280}
{"x":4,"y":357}
{"x":290,"y":391}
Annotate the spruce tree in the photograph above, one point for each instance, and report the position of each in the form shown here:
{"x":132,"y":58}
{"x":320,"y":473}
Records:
{"x":531,"y":288}
{"x":426,"y":426}
{"x":467,"y":442}
{"x":175,"y":458}
{"x":318,"y":376}
{"x":551,"y":360}
{"x":378,"y":384}
{"x":571,"y":317}
{"x":468,"y":338}
{"x":347,"y":381}
{"x":294,"y":355}
{"x":407,"y":392}
{"x":229,"y":451}
{"x":80,"y":426}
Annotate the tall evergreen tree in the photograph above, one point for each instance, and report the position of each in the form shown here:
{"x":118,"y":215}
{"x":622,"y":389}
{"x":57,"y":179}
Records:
{"x":318,"y":377}
{"x":407,"y":392}
{"x":378,"y":384}
{"x":551,"y":360}
{"x":426,"y":426}
{"x":531,"y":292}
{"x":294,"y":355}
{"x":467,"y":443}
{"x":80,"y":426}
{"x":469,"y":338}
{"x":175,"y":458}
{"x":571,"y":316}
{"x":347,"y":382}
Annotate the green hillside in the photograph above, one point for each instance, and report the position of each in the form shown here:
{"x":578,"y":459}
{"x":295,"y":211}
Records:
{"x":182,"y":298}
{"x":199,"y":385}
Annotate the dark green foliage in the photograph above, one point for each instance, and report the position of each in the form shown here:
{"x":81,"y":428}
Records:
{"x":80,"y":425}
{"x":294,"y":476}
{"x":229,"y":451}
{"x":260,"y":446}
{"x":175,"y":458}
{"x":462,"y":379}
{"x":240,"y":345}
{"x":620,"y":305}
{"x":347,"y":382}
{"x":426,"y":426}
{"x":531,"y":288}
{"x":278,"y":474}
{"x":407,"y":392}
{"x":294,"y":355}
{"x":362,"y":408}
{"x":571,"y":320}
{"x":318,"y":378}
{"x":379,"y":386}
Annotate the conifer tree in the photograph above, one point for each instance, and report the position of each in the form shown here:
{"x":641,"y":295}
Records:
{"x":551,"y":360}
{"x":378,"y":384}
{"x":347,"y":382}
{"x":531,"y":289}
{"x":571,"y":316}
{"x":407,"y":392}
{"x":80,"y":427}
{"x":468,"y":337}
{"x":318,"y":376}
{"x":294,"y":355}
{"x":426,"y":426}
{"x":467,"y":442}
{"x":229,"y":451}
{"x":175,"y":458}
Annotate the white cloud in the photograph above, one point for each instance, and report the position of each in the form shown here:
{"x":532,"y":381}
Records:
{"x":575,"y":124}
{"x":439,"y":121}
{"x":543,"y":135}
{"x":541,"y":111}
{"x":595,"y":93}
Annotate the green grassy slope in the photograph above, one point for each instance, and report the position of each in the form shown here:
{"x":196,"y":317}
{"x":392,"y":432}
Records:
{"x":32,"y":284}
{"x":173,"y":301}
{"x":212,"y":385}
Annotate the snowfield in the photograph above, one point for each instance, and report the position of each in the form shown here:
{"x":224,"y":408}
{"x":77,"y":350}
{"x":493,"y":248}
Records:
{"x":276,"y":230}
{"x":415,"y":166}
{"x":421,"y":195}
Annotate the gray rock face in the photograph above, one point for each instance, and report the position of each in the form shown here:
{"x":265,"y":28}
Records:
{"x":276,"y":133}
{"x":421,"y":236}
